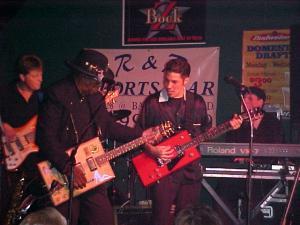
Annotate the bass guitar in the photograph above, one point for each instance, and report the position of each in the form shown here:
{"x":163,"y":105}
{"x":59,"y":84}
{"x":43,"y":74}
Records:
{"x":16,"y":151}
{"x":94,"y":163}
{"x":151,"y":170}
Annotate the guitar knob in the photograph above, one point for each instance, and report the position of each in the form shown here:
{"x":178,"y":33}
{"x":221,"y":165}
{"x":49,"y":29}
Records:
{"x":191,"y":154}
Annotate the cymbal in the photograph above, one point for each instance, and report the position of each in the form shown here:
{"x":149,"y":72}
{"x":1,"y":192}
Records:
{"x":120,"y":114}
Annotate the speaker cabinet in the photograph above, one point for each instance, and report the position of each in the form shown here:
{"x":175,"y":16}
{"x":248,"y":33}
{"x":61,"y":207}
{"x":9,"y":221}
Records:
{"x":132,"y":215}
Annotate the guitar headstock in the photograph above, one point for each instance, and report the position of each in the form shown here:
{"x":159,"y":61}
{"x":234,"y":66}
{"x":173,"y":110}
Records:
{"x":155,"y":134}
{"x":166,"y":129}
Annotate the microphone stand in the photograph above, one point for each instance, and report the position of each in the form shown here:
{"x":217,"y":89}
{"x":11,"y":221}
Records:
{"x":290,"y":198}
{"x":250,"y":165}
{"x":72,"y":160}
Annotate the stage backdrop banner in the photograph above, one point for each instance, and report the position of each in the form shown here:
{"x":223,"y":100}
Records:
{"x":266,"y":64}
{"x":163,"y":22}
{"x":140,"y":73}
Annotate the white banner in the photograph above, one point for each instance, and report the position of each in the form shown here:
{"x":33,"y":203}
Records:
{"x":140,"y":72}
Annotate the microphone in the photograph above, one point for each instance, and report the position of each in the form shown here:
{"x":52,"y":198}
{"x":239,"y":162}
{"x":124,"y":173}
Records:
{"x":108,"y":81}
{"x":231,"y":80}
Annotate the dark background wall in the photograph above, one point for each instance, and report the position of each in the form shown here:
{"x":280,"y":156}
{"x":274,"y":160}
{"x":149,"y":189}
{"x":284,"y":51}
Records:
{"x":56,"y":30}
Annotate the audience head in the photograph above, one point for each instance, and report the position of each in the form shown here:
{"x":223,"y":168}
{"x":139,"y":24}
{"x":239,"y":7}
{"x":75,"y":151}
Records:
{"x":46,"y":216}
{"x":198,"y":215}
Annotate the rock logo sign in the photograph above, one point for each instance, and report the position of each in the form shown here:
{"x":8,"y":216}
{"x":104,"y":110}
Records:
{"x":163,"y":22}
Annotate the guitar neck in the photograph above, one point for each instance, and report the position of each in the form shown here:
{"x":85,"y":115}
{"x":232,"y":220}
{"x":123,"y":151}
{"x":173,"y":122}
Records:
{"x":208,"y":135}
{"x":114,"y":153}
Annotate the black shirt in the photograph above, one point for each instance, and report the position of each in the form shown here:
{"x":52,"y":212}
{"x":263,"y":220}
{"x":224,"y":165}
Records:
{"x":268,"y":131}
{"x":14,"y":109}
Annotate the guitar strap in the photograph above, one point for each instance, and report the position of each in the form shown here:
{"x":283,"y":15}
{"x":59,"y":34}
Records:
{"x":93,"y":121}
{"x":182,"y":118}
{"x":180,"y":115}
{"x":188,"y":117}
{"x":190,"y":122}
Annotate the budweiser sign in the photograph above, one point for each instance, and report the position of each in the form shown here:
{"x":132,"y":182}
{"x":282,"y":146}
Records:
{"x":274,"y":36}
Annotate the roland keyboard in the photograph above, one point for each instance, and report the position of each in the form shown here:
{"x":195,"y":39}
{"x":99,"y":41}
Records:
{"x":242,"y":150}
{"x":273,"y":174}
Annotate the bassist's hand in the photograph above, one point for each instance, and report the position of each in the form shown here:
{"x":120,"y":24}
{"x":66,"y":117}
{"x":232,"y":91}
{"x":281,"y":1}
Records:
{"x":79,"y":178}
{"x":9,"y":132}
{"x":163,"y":152}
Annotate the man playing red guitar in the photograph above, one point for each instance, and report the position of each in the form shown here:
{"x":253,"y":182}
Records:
{"x":187,"y":111}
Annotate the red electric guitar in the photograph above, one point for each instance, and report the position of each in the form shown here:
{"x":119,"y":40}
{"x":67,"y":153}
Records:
{"x":151,"y":170}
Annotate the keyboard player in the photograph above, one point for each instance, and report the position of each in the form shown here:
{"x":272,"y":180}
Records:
{"x":267,"y":129}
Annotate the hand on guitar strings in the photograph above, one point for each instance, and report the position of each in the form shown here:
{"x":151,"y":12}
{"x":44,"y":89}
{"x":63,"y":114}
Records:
{"x":153,"y":135}
{"x":9,"y":132}
{"x":164,"y":153}
{"x":236,"y":121}
{"x":79,"y":178}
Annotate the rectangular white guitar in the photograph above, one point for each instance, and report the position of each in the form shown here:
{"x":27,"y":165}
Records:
{"x":94,"y":162}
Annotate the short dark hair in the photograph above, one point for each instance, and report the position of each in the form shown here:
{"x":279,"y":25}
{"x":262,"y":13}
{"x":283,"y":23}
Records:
{"x":179,"y":65}
{"x":197,"y":215}
{"x":260,"y":93}
{"x":45,"y":216}
{"x":26,"y":63}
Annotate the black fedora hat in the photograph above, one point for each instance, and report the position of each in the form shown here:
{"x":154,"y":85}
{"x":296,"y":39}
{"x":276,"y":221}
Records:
{"x":92,"y":64}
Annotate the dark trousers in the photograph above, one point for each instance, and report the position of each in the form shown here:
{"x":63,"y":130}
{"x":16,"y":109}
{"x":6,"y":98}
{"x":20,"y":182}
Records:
{"x":93,"y":208}
{"x":167,"y":193}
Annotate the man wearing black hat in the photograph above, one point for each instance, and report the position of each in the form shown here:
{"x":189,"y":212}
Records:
{"x":74,"y":112}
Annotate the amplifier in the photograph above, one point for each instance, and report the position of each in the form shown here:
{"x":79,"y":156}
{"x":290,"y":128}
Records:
{"x":132,"y":215}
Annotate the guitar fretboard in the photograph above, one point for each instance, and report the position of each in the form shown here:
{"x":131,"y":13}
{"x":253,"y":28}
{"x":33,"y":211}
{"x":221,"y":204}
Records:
{"x":214,"y":132}
{"x":120,"y":150}
{"x":210,"y":134}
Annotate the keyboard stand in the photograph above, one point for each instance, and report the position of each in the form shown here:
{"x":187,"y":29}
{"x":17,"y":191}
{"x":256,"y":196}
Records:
{"x":217,"y":198}
{"x":272,"y":196}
